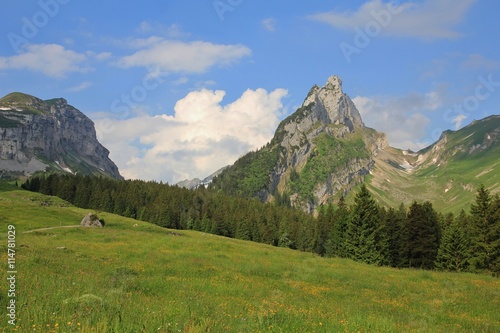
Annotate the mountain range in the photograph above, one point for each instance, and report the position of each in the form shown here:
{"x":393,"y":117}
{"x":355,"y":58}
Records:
{"x":323,"y":151}
{"x":318,"y":154}
{"x":50,"y":135}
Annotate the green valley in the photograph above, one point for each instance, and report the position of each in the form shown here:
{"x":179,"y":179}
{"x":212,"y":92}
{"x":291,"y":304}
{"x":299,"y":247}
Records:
{"x":132,"y":276}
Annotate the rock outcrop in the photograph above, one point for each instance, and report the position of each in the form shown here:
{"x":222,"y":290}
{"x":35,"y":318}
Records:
{"x":327,"y":116}
{"x":92,"y":220}
{"x":37,"y":135}
{"x":320,"y":151}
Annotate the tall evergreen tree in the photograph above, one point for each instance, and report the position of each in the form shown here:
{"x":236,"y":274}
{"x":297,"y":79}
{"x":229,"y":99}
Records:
{"x":454,"y":250}
{"x":365,"y":239}
{"x":394,"y":221}
{"x":485,"y":228}
{"x":321,"y":230}
{"x":420,"y":236}
{"x":336,"y":246}
{"x":495,"y":232}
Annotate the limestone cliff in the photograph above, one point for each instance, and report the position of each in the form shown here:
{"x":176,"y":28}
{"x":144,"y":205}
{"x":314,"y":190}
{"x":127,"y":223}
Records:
{"x":319,"y":152}
{"x":37,"y":135}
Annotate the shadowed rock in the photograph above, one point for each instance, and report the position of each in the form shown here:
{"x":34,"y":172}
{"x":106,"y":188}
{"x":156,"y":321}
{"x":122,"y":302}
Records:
{"x":92,"y":220}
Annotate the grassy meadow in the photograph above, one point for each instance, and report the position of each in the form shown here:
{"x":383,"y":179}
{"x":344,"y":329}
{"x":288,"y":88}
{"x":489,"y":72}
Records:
{"x":132,"y":276}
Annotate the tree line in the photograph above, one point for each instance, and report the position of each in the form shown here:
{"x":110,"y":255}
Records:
{"x":416,"y":236}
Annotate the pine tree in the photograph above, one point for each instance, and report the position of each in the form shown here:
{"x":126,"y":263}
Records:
{"x":82,"y":192}
{"x":321,"y":231}
{"x":243,"y":231}
{"x":420,"y":236}
{"x":495,"y":233}
{"x":394,"y":221}
{"x":454,"y":250}
{"x":365,"y":241}
{"x":336,"y":246}
{"x":485,"y":231}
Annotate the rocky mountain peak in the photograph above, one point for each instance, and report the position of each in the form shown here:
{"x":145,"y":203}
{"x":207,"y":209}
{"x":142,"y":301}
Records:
{"x":320,"y":151}
{"x":330,"y":105}
{"x":38,"y":135}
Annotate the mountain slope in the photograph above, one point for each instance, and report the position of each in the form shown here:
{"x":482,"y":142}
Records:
{"x":323,"y":151}
{"x":319,"y":152}
{"x":132,"y":276}
{"x":37,"y":135}
{"x":447,"y":172}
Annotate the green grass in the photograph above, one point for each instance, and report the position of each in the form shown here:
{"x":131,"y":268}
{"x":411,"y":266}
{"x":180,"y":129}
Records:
{"x":330,"y":154}
{"x":132,"y":276}
{"x":22,"y":101}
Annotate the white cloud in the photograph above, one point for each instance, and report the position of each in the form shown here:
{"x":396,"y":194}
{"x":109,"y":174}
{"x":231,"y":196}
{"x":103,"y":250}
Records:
{"x":81,"y":86}
{"x":458,"y":121}
{"x":477,"y":62}
{"x":202,"y":136}
{"x":269,"y":24}
{"x":177,"y":56}
{"x":429,"y":19}
{"x":401,"y":118}
{"x":50,"y":59}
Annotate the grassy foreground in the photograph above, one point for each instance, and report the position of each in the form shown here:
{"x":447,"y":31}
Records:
{"x":135,"y":277}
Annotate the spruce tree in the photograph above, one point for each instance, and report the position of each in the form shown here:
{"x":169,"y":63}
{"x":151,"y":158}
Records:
{"x":365,"y":241}
{"x":321,"y":231}
{"x":485,"y":231}
{"x":454,"y":250}
{"x":394,"y":221}
{"x":336,"y":246}
{"x":243,"y":231}
{"x":420,"y":236}
{"x":495,"y":233}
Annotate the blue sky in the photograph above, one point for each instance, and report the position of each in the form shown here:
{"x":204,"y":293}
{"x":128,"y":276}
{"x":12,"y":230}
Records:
{"x":178,"y":89}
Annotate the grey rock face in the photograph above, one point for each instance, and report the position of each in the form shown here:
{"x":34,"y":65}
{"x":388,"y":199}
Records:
{"x":36,"y":135}
{"x":325,"y":111}
{"x":91,"y":220}
{"x":332,"y":106}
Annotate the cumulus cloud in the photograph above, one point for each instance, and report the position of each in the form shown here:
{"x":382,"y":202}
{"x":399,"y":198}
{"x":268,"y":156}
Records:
{"x":202,"y":136}
{"x":430,"y":19}
{"x":181,"y":57}
{"x":401,"y":118}
{"x":50,"y":59}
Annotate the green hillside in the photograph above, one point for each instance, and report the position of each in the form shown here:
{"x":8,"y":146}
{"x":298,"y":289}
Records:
{"x":133,"y":276}
{"x":25,"y":103}
{"x":448,"y":173}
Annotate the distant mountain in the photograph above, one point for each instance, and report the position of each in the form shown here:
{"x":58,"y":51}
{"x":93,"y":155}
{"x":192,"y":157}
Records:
{"x":196,"y":182}
{"x":38,"y":135}
{"x":447,"y":173}
{"x":323,"y":151}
